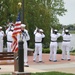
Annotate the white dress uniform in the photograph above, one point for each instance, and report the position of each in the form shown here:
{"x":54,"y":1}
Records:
{"x":53,"y":45}
{"x":9,"y":40}
{"x":25,"y":37}
{"x":38,"y":45}
{"x":66,"y":46}
{"x":7,"y":30}
{"x":1,"y":39}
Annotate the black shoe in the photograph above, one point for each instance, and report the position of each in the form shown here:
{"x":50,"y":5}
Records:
{"x":62,"y":59}
{"x":34,"y":61}
{"x":55,"y":61}
{"x":69,"y":59}
{"x":26,"y":65}
{"x":37,"y":54}
{"x":40,"y":61}
{"x":50,"y":60}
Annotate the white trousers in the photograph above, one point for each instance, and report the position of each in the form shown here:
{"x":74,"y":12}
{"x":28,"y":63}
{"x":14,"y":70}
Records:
{"x":25,"y":52}
{"x":1,"y":45}
{"x":38,"y":48}
{"x":53,"y":50}
{"x":9,"y":47}
{"x":66,"y":50}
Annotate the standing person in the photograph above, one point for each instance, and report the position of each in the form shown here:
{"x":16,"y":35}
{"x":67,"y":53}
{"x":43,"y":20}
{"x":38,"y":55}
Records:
{"x":66,"y":46}
{"x":53,"y":45}
{"x":9,"y":39}
{"x":38,"y":44}
{"x":25,"y":37}
{"x":1,"y":39}
{"x":9,"y":26}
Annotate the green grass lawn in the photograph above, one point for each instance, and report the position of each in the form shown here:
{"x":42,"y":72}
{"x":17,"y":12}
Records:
{"x":47,"y":73}
{"x":52,"y":73}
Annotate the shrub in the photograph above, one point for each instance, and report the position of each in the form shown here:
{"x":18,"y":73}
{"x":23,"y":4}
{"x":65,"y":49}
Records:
{"x":60,"y":39}
{"x":59,"y":51}
{"x":46,"y":50}
{"x":72,"y":51}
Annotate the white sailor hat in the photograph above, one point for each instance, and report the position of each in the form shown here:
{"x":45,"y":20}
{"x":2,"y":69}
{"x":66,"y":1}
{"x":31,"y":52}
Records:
{"x":40,"y":30}
{"x":23,"y":25}
{"x":12,"y":28}
{"x":55,"y":30}
{"x":0,"y":27}
{"x":66,"y":30}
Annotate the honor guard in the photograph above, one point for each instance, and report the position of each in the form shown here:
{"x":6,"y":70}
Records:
{"x":53,"y":44}
{"x":9,"y":39}
{"x":66,"y":46}
{"x":39,"y":35}
{"x":1,"y":39}
{"x":8,"y":27}
{"x":25,"y":37}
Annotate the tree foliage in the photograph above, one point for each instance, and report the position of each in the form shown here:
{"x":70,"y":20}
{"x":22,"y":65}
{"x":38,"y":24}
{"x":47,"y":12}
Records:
{"x":40,"y":13}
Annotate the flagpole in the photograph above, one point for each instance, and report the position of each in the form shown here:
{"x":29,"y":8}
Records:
{"x":20,"y":42}
{"x":22,"y":17}
{"x":21,"y":9}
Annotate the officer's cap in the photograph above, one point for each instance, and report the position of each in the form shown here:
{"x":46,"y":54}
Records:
{"x":40,"y":30}
{"x":23,"y":25}
{"x":0,"y":27}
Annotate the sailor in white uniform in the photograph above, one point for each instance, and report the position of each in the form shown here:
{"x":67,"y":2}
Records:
{"x":39,"y":35}
{"x":53,"y":45}
{"x":1,"y":39}
{"x":66,"y":46}
{"x":9,"y":39}
{"x":25,"y":37}
{"x":9,"y":26}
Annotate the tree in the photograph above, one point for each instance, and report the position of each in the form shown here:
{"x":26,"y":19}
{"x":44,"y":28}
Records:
{"x":43,"y":14}
{"x":40,"y":13}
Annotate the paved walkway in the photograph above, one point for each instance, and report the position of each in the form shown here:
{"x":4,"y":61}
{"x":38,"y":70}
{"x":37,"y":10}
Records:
{"x":60,"y":65}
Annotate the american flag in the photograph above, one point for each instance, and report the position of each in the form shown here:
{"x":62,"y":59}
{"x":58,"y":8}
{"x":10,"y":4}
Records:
{"x":17,"y":30}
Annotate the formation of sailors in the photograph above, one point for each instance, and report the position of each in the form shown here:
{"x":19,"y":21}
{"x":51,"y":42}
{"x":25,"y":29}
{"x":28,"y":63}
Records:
{"x":39,"y":37}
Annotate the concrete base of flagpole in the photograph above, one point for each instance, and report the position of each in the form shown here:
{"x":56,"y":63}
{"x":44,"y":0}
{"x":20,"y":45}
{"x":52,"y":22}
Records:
{"x":21,"y":73}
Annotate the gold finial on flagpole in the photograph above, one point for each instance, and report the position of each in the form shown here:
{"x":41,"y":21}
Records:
{"x":19,"y":4}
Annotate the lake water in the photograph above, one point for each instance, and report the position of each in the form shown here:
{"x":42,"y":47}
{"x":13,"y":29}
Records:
{"x":72,"y":42}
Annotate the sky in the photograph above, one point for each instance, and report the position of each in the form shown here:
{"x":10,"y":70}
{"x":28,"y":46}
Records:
{"x":69,"y":18}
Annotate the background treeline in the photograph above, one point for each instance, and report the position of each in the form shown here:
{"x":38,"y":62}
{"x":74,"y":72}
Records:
{"x":40,"y":13}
